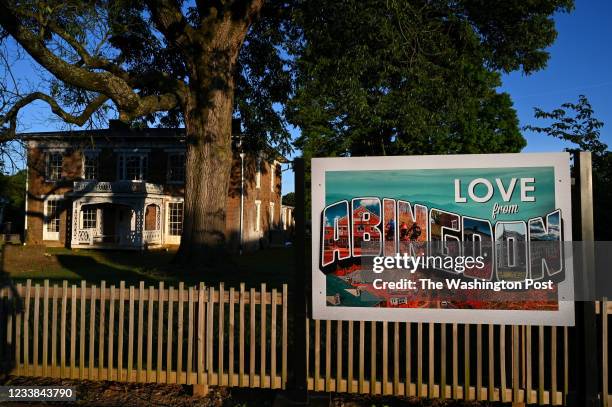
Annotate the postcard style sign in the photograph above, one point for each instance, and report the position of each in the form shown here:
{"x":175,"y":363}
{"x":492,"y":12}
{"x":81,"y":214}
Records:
{"x":457,"y":238}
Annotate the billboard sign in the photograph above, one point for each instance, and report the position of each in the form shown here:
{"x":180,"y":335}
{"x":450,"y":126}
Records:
{"x":455,"y":238}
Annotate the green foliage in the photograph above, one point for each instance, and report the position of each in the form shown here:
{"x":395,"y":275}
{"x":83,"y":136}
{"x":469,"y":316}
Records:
{"x":289,"y":199}
{"x":12,"y":187}
{"x":413,"y":77}
{"x":575,"y":123}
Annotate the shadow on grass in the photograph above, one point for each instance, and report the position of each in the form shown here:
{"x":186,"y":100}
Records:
{"x":92,"y":270}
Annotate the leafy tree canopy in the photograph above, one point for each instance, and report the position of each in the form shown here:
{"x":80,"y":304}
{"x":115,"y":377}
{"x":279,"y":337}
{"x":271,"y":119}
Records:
{"x":415,"y":77}
{"x":576,"y":123}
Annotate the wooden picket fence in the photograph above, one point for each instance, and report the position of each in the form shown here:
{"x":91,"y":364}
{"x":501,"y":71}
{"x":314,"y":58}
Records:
{"x":191,"y":335}
{"x":205,"y":335}
{"x":453,"y":361}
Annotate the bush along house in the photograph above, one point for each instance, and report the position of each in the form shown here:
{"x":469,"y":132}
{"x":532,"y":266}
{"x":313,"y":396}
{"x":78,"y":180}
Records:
{"x":123,"y":188}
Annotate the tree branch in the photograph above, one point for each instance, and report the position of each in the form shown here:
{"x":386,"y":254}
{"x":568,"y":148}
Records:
{"x":11,"y":116}
{"x":102,"y":82}
{"x":171,"y":22}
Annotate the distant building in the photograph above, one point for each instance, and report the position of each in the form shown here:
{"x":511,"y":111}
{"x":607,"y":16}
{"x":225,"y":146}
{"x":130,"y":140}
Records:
{"x":123,"y":188}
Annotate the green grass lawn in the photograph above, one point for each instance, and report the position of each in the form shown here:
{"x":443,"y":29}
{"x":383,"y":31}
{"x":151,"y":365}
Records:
{"x":271,"y":266}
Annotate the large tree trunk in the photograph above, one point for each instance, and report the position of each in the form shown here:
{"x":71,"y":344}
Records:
{"x":208,"y":123}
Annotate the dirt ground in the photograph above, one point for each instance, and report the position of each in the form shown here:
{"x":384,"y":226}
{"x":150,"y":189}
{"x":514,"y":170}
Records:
{"x":94,"y":393}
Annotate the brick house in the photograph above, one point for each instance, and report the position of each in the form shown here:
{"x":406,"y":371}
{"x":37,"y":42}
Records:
{"x":123,"y":189}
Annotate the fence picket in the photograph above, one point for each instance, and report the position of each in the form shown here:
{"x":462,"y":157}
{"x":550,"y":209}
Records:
{"x":203,"y":360}
{"x":273,"y":339}
{"x":149,"y":371}
{"x":252,"y":329}
{"x":121,"y":326}
{"x":361,"y":356}
{"x":54,"y":331}
{"x":419,"y":389}
{"x":111,"y":332}
{"x":262,"y":336}
{"x":317,"y":355}
{"x":141,"y":334}
{"x":284,"y":339}
{"x":230,"y":356}
{"x":45,"y":322}
{"x":350,"y":358}
{"x":130,"y":361}
{"x":63,"y":329}
{"x":190,"y":336}
{"x":92,"y":331}
{"x":328,"y":348}
{"x":18,"y":335}
{"x":160,"y":331}
{"x":169,"y":338}
{"x":179,"y":346}
{"x":101,"y":328}
{"x":36,"y":330}
{"x":73,"y":328}
{"x":208,"y":325}
{"x":221,"y":335}
{"x":373,"y":357}
{"x":241,"y":337}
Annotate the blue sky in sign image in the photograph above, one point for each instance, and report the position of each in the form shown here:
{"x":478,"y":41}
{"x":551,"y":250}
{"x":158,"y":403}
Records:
{"x":580,"y":63}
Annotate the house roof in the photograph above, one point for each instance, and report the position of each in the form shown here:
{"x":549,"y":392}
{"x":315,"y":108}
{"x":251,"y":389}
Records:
{"x":119,"y":133}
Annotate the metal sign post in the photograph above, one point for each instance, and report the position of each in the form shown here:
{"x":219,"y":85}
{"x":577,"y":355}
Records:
{"x":586,"y":372}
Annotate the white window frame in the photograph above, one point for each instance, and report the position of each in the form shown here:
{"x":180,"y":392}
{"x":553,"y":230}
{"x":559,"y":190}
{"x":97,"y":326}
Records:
{"x":272,"y":175}
{"x":48,"y":155}
{"x":82,"y":218}
{"x":47,"y":235}
{"x":172,"y":239}
{"x":258,"y":173}
{"x":122,"y":168}
{"x":91,"y":153}
{"x":257,"y":216}
{"x":171,"y":154}
{"x":271,"y":215}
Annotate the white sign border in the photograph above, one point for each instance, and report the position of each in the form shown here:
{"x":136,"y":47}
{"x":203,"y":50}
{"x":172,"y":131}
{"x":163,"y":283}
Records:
{"x":564,"y":316}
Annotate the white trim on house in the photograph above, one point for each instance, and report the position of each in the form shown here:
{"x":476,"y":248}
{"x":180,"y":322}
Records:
{"x":168,"y":238}
{"x":272,"y":215}
{"x":51,"y":235}
{"x":258,"y":173}
{"x":257,"y":215}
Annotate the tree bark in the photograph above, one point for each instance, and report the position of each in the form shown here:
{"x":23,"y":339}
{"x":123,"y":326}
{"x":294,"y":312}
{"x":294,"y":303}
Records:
{"x":208,"y":122}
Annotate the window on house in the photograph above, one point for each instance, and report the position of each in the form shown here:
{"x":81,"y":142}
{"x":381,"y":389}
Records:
{"x":271,"y":215}
{"x":133,"y":167}
{"x":175,"y":220}
{"x":54,"y":166}
{"x":257,"y":216}
{"x":90,"y":166}
{"x":258,"y":174}
{"x":90,"y":218}
{"x":176,"y":168}
{"x":272,"y":173}
{"x":52,"y":215}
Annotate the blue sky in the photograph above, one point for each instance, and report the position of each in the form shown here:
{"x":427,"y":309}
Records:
{"x":580,"y":63}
